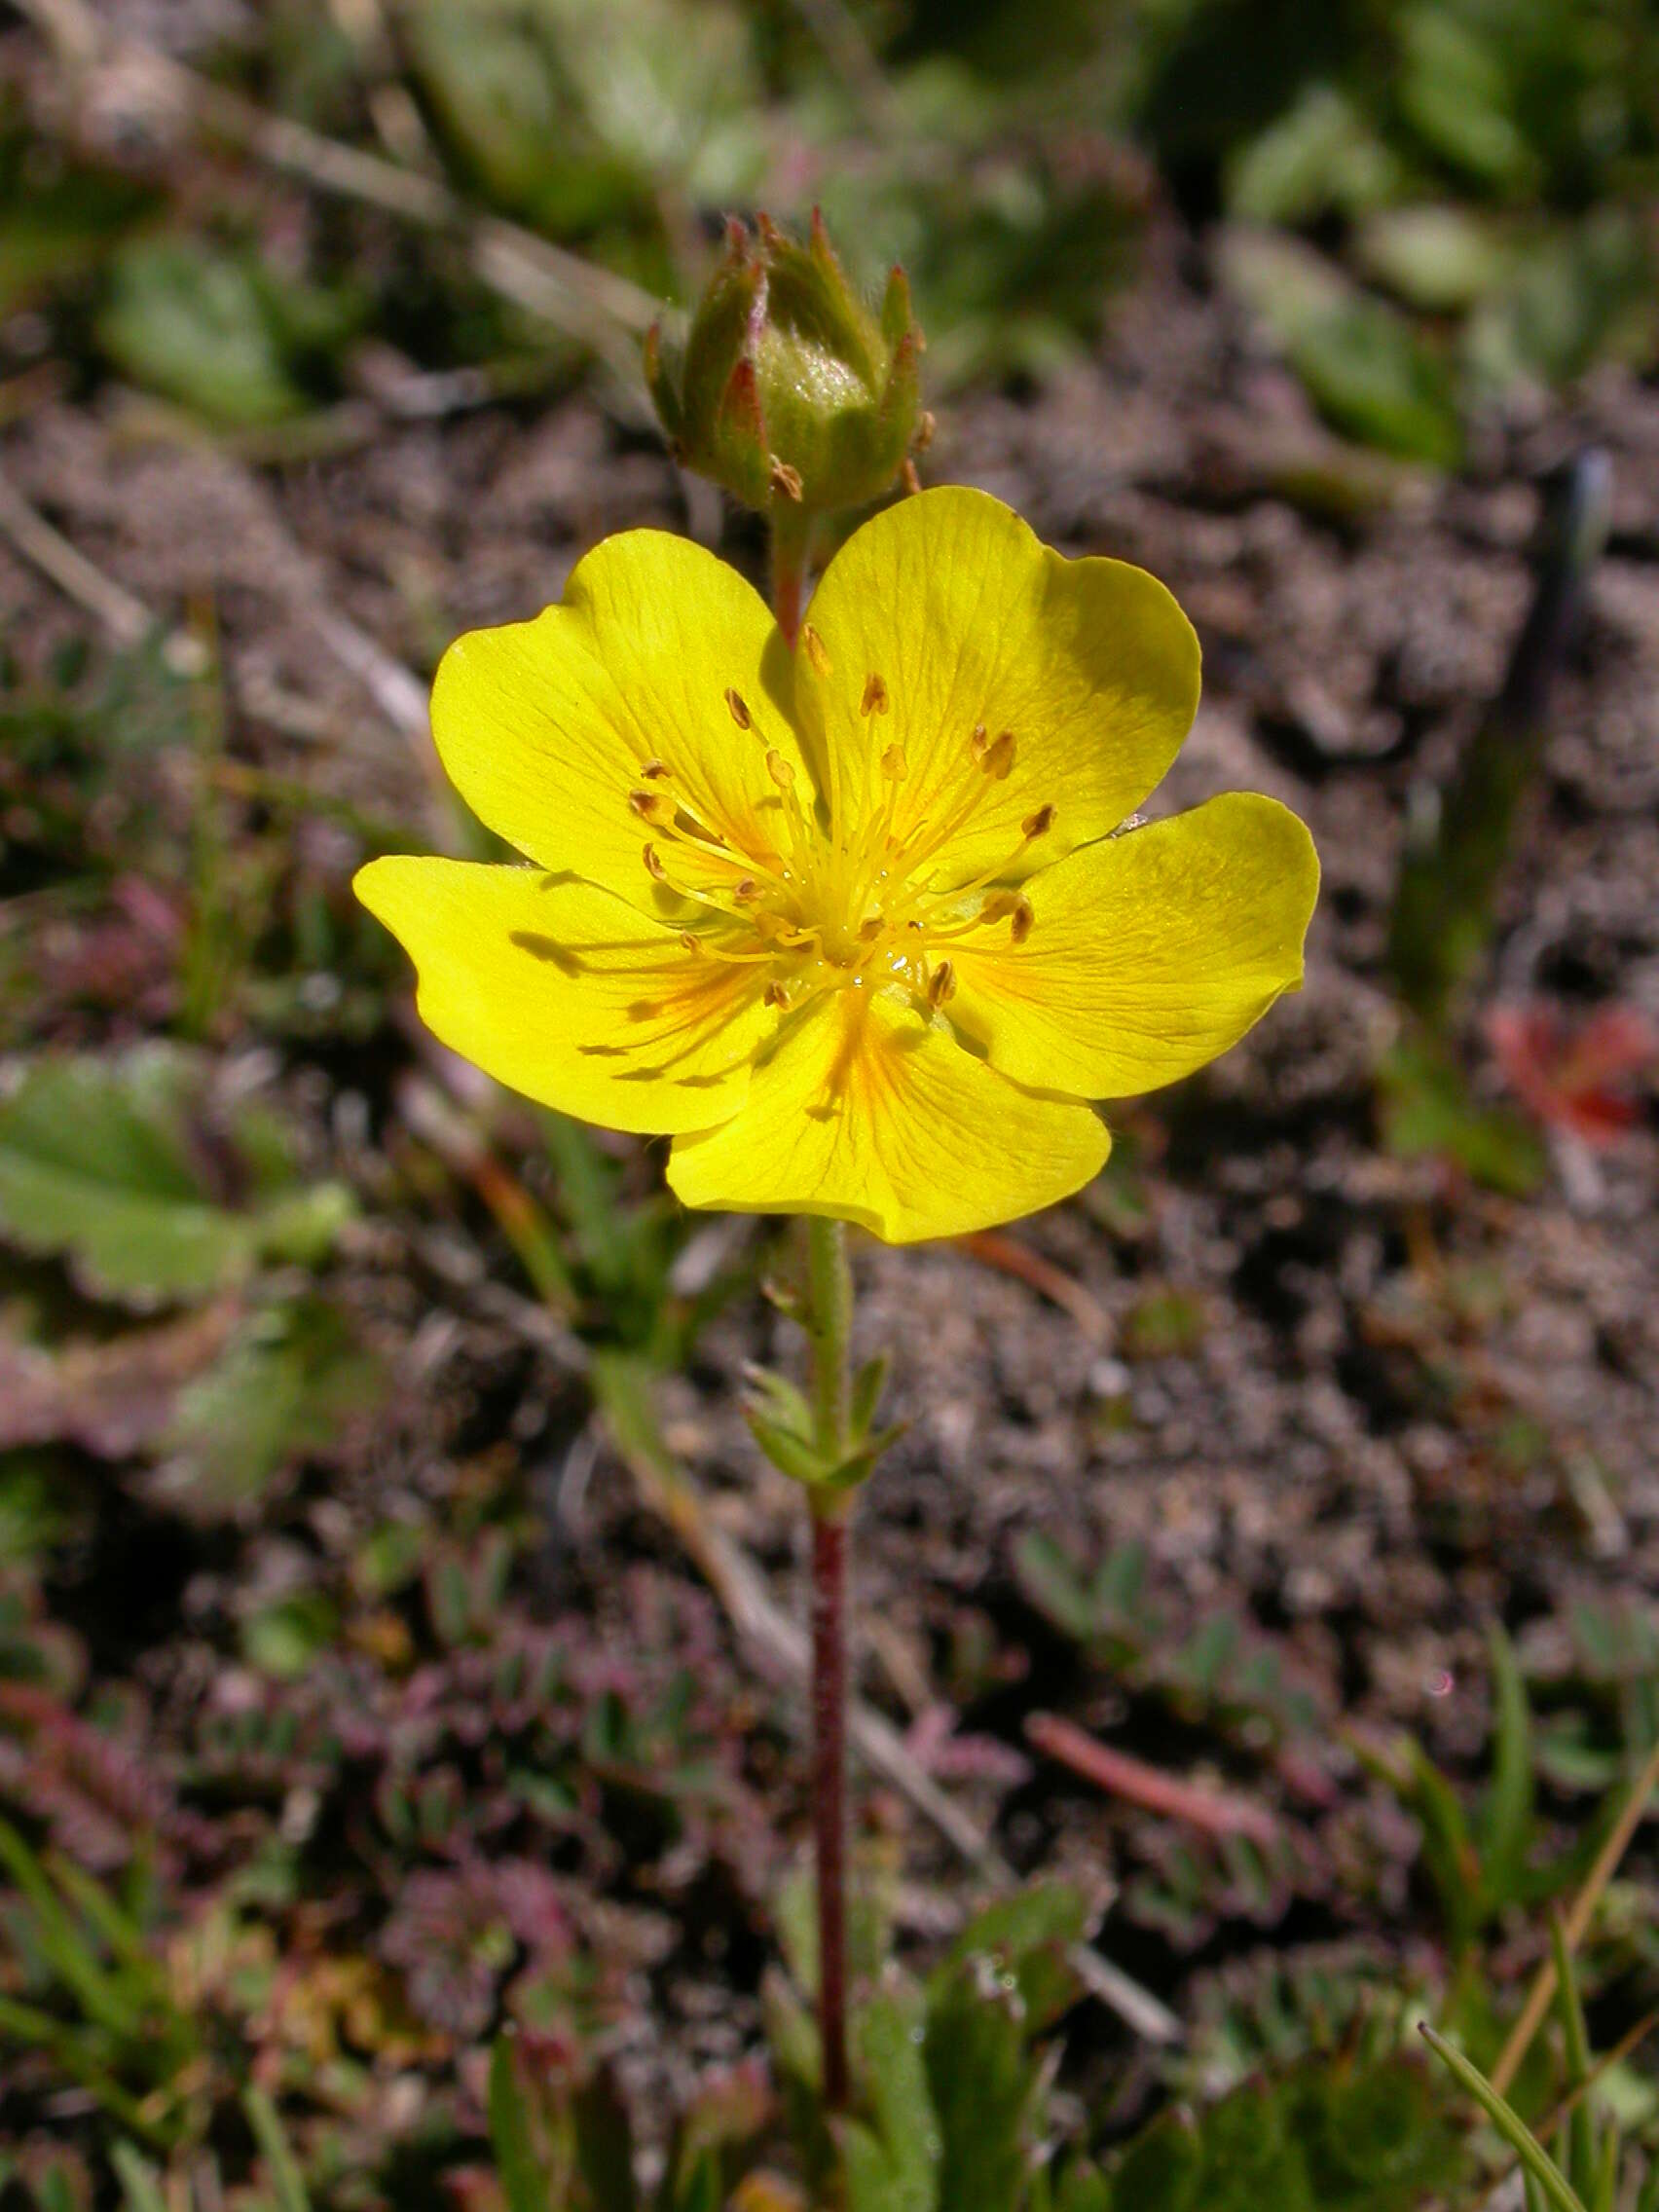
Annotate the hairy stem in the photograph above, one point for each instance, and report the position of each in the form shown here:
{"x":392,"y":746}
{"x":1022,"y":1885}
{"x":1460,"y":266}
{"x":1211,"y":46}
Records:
{"x":830,"y":1286}
{"x":791,"y":560}
{"x":829,"y":1535}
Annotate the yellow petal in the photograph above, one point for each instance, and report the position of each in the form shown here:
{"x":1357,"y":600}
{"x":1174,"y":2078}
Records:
{"x":566,"y":993}
{"x":545,"y":726}
{"x":1148,"y":954}
{"x":867,"y":1112}
{"x":944,"y":614}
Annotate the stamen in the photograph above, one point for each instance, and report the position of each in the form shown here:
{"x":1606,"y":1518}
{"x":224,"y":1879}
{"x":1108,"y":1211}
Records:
{"x":997,"y":760}
{"x":875,"y":700}
{"x":780,"y":771}
{"x":978,"y":742}
{"x":893,"y":766}
{"x":739,"y":711}
{"x":1024,"y":917}
{"x":653,"y":771}
{"x":775,"y":993}
{"x":653,"y":807}
{"x":941,"y":984}
{"x":814,"y":649}
{"x":654,"y":864}
{"x":704,"y":951}
{"x":1038,"y":825}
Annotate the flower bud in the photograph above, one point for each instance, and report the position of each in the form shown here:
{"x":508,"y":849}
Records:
{"x":788,"y":391}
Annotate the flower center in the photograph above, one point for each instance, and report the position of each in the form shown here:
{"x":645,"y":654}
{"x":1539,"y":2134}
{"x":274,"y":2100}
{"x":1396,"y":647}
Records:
{"x":833,"y":903}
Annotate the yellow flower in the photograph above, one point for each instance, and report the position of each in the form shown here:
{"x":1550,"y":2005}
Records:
{"x":850,"y":925}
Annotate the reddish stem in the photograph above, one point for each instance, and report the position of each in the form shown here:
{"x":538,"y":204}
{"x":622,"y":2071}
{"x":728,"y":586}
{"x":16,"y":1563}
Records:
{"x":829,"y":1793}
{"x":791,"y":560}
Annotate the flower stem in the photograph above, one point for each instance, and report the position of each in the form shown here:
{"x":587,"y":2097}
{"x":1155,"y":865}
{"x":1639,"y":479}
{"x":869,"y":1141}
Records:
{"x":830,"y":1286}
{"x":830,"y":1534}
{"x":792,"y":558}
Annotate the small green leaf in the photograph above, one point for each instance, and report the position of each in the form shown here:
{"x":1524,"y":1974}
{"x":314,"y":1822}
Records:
{"x":1159,"y":2171}
{"x":190,"y":322}
{"x":276,"y":2151}
{"x":774,"y":1399}
{"x":801,"y":1463}
{"x":513,"y":2135}
{"x":1506,"y":1817}
{"x":867,"y":1386}
{"x":140,"y":2185}
{"x":100,"y":1161}
{"x":1509,"y":2125}
{"x":892,"y":2161}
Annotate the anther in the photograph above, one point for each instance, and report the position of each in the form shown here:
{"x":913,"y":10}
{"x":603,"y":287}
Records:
{"x":941,"y":984}
{"x":870,"y":930}
{"x":816,"y":651}
{"x":776,"y":995}
{"x":979,"y":743}
{"x":997,"y":760}
{"x":1038,"y":825}
{"x":744,"y":889}
{"x":874,"y":700}
{"x":893,"y":766}
{"x":654,"y":771}
{"x":780,"y":771}
{"x":739,"y":711}
{"x":654,"y":864}
{"x":1020,"y":927}
{"x":786,"y":481}
{"x":652,"y":806}
{"x":689,"y":941}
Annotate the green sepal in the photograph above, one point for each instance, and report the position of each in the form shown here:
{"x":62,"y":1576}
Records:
{"x":789,"y":392}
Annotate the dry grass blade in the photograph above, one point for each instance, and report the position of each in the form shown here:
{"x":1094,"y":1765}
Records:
{"x":1576,"y":1925}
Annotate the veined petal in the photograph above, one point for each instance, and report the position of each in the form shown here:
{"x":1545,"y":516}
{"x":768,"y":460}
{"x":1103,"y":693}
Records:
{"x":867,"y":1112}
{"x":944,"y":615}
{"x":569,"y":994}
{"x":1148,"y":954}
{"x":545,"y":726}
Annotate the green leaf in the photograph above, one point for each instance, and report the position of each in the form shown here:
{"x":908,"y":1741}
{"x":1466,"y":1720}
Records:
{"x":802,"y":1462}
{"x":1457,"y":92}
{"x":286,"y":1386}
{"x":1365,"y":366}
{"x":1161,"y":2170}
{"x":276,"y":2151}
{"x":892,"y":2161}
{"x":1507,"y":1816}
{"x":1025,"y":1935}
{"x":1049,"y":1577}
{"x":191,"y":323}
{"x":1509,"y":2125}
{"x":140,"y":2183}
{"x":984,"y":2083}
{"x":775,"y":1400}
{"x":513,"y":2135}
{"x":100,"y":1162}
{"x":1426,"y":1112}
{"x":867,"y":1386}
{"x":1441,"y":258}
{"x":1319,"y":157}
{"x":605,"y":2146}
